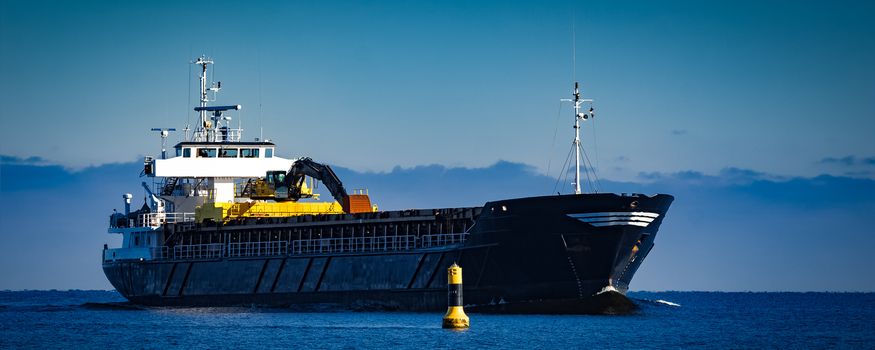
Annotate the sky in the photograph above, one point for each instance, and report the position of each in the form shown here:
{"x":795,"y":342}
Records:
{"x":773,"y":86}
{"x":755,"y":103}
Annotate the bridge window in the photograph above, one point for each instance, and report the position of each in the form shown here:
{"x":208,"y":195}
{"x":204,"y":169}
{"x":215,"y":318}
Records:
{"x":206,"y":153}
{"x":249,"y":152}
{"x":186,"y":152}
{"x":268,"y":152}
{"x":229,"y":153}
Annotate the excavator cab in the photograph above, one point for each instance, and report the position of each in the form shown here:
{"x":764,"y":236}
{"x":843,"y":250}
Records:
{"x":274,"y":177}
{"x":274,"y":181}
{"x":266,"y":188}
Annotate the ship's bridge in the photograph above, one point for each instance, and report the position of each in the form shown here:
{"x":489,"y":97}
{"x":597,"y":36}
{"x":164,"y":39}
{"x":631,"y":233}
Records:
{"x":218,"y":162}
{"x":221,"y":160}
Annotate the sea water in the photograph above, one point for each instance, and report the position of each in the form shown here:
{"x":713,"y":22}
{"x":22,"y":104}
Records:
{"x":89,"y":319}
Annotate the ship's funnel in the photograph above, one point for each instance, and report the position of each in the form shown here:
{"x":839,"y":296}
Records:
{"x":127,"y":197}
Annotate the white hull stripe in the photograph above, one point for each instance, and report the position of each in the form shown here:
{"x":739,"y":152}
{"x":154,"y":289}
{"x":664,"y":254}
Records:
{"x":616,"y":213}
{"x":635,"y":218}
{"x":616,"y":223}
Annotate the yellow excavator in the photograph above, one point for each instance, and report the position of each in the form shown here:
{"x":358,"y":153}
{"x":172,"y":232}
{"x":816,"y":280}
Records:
{"x":285,"y":189}
{"x":266,"y":188}
{"x":291,"y":186}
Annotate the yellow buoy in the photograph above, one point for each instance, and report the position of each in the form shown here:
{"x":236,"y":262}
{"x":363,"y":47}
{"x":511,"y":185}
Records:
{"x":455,"y":317}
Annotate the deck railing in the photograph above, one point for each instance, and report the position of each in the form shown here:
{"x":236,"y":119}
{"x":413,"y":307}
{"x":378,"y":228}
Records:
{"x":305,"y":246}
{"x":158,"y":219}
{"x":258,"y":248}
{"x":353,"y":244}
{"x":438,"y":240}
{"x":199,"y":251}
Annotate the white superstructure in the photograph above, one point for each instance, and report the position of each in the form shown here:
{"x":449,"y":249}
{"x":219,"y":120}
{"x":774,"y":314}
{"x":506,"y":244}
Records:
{"x":213,"y":158}
{"x":210,"y":165}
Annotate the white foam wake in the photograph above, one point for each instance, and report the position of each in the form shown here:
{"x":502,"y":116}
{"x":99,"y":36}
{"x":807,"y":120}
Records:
{"x":607,"y":289}
{"x":664,"y":302}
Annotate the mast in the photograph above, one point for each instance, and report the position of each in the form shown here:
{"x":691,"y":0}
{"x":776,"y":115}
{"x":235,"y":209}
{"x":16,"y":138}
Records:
{"x":217,"y":126}
{"x":201,"y":130}
{"x":576,"y":139}
{"x":578,"y":116}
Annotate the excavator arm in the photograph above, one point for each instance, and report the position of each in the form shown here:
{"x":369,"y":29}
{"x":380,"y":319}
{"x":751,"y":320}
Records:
{"x":294,"y":181}
{"x":290,"y":185}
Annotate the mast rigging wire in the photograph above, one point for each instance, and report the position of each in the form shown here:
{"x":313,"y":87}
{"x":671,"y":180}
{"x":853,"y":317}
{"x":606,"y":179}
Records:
{"x":564,"y":167}
{"x":566,"y":170}
{"x":588,"y":169}
{"x":595,"y":144}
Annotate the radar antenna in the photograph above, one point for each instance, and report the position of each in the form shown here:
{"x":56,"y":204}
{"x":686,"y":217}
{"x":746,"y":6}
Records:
{"x":164,"y":133}
{"x":206,"y":130}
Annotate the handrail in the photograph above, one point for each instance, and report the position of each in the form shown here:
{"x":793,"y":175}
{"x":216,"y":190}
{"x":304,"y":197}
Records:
{"x":354,"y":244}
{"x":158,"y":219}
{"x":270,"y":248}
{"x":305,"y":246}
{"x":199,"y":251}
{"x":442,"y":239}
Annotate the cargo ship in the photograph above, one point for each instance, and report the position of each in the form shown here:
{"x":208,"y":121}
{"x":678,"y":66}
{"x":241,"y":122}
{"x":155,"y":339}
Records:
{"x":227,"y":222}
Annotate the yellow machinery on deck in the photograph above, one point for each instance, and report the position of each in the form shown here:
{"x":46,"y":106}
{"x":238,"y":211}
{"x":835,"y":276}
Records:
{"x":284,"y":190}
{"x":222,"y":212}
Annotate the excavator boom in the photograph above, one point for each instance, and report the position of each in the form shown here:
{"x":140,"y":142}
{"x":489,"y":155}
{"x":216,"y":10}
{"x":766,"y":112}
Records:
{"x":294,"y":179}
{"x":291,"y":185}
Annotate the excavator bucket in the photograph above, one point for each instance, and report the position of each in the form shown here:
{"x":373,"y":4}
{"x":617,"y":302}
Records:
{"x":358,"y":203}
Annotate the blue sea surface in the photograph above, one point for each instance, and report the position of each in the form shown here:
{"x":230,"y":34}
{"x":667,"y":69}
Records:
{"x":89,"y":319}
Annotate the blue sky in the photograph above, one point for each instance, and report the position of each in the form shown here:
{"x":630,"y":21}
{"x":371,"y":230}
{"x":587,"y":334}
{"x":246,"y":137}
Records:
{"x":773,"y":86}
{"x":767,"y":105}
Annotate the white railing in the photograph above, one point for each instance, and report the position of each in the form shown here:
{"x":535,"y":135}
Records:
{"x":233,"y":135}
{"x":258,"y":248}
{"x":158,"y":219}
{"x":353,"y":244}
{"x":442,"y":239}
{"x":280,"y":248}
{"x":199,"y":251}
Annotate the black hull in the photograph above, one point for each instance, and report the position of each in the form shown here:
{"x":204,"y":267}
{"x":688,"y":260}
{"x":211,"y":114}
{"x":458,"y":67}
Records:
{"x":527,"y":255}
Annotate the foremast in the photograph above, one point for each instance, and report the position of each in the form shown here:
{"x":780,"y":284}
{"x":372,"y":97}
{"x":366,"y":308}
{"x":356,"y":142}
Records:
{"x":576,"y":145}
